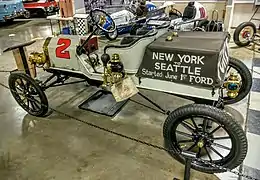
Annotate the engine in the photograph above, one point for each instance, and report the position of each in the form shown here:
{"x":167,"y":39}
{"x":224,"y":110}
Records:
{"x":113,"y":69}
{"x":232,"y":85}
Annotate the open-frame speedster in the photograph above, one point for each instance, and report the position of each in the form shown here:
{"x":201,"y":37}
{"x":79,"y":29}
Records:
{"x":192,"y":65}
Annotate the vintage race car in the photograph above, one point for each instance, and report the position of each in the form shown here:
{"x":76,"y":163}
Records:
{"x":11,"y":9}
{"x":194,"y":18}
{"x":127,"y":21}
{"x":40,"y":7}
{"x":187,"y":65}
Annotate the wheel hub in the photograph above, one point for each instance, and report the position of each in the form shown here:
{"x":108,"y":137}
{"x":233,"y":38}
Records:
{"x":246,"y":34}
{"x":201,"y":143}
{"x":202,"y":139}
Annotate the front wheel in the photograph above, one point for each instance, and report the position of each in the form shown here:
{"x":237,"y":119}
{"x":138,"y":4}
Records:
{"x":209,"y":132}
{"x":244,"y":33}
{"x":112,"y":36}
{"x":28,"y":94}
{"x":238,"y":69}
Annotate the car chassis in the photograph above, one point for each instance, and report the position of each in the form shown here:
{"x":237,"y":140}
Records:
{"x":199,"y":122}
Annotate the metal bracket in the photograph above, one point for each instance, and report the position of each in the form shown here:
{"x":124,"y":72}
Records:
{"x":189,"y":157}
{"x":60,"y":81}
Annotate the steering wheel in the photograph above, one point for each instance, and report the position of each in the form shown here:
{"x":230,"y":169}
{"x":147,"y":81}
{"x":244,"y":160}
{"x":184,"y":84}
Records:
{"x":102,"y":20}
{"x":175,"y":12}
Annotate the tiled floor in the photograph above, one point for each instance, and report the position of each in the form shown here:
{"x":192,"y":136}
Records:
{"x":252,"y":162}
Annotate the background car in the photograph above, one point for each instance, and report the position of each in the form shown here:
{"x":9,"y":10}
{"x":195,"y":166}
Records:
{"x":10,"y":9}
{"x":42,"y":8}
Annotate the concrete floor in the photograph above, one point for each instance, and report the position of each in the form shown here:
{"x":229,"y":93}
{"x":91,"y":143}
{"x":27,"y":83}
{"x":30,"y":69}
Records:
{"x":60,"y":148}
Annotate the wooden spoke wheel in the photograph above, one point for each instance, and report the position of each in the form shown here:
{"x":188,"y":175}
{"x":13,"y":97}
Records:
{"x":28,"y":94}
{"x":209,"y":132}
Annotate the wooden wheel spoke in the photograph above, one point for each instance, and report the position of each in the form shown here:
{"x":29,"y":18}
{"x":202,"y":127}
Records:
{"x":205,"y":122}
{"x":188,"y":127}
{"x":198,"y":154}
{"x":191,"y":147}
{"x":185,"y":141}
{"x":35,"y":106}
{"x":17,"y":87}
{"x":28,"y":104}
{"x":221,"y":138}
{"x":210,"y":158}
{"x":215,"y":151}
{"x":184,"y":134}
{"x":22,"y":83}
{"x":217,"y":128}
{"x":221,"y":146}
{"x":193,"y":122}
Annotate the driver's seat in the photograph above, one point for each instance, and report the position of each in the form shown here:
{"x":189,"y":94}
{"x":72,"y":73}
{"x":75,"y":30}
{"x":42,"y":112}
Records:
{"x":132,"y":38}
{"x":189,"y":12}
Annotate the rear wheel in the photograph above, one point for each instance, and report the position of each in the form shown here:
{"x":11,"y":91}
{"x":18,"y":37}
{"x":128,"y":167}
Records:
{"x":209,"y":132}
{"x":28,"y":94}
{"x":244,"y":33}
{"x":27,"y":14}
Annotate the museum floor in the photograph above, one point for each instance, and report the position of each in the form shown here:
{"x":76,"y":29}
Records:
{"x":61,"y":148}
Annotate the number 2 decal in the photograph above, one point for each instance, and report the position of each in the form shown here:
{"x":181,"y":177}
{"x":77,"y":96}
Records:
{"x":61,"y":50}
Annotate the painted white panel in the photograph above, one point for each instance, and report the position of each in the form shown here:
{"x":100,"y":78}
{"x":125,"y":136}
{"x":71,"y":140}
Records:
{"x":175,"y":88}
{"x":62,"y":47}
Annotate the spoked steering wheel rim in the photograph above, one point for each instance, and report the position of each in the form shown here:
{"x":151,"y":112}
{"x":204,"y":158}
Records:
{"x":104,"y":15}
{"x":176,"y":12}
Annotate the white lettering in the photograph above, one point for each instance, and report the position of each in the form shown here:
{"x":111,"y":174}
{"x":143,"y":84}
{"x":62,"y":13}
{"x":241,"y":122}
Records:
{"x":197,"y":71}
{"x":161,"y":56}
{"x":169,"y":57}
{"x":199,"y":60}
{"x":163,"y":66}
{"x":171,"y":76}
{"x":184,"y":69}
{"x":201,"y":80}
{"x":157,"y":66}
{"x":181,"y":57}
{"x":191,"y":59}
{"x":155,"y":55}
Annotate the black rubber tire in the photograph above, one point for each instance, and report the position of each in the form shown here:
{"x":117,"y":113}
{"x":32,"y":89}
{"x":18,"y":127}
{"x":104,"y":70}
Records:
{"x":134,"y":29}
{"x":43,"y":99}
{"x":238,"y":31}
{"x":111,"y":38}
{"x":9,"y":21}
{"x":246,"y":77}
{"x":239,"y":146}
{"x":27,"y":15}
